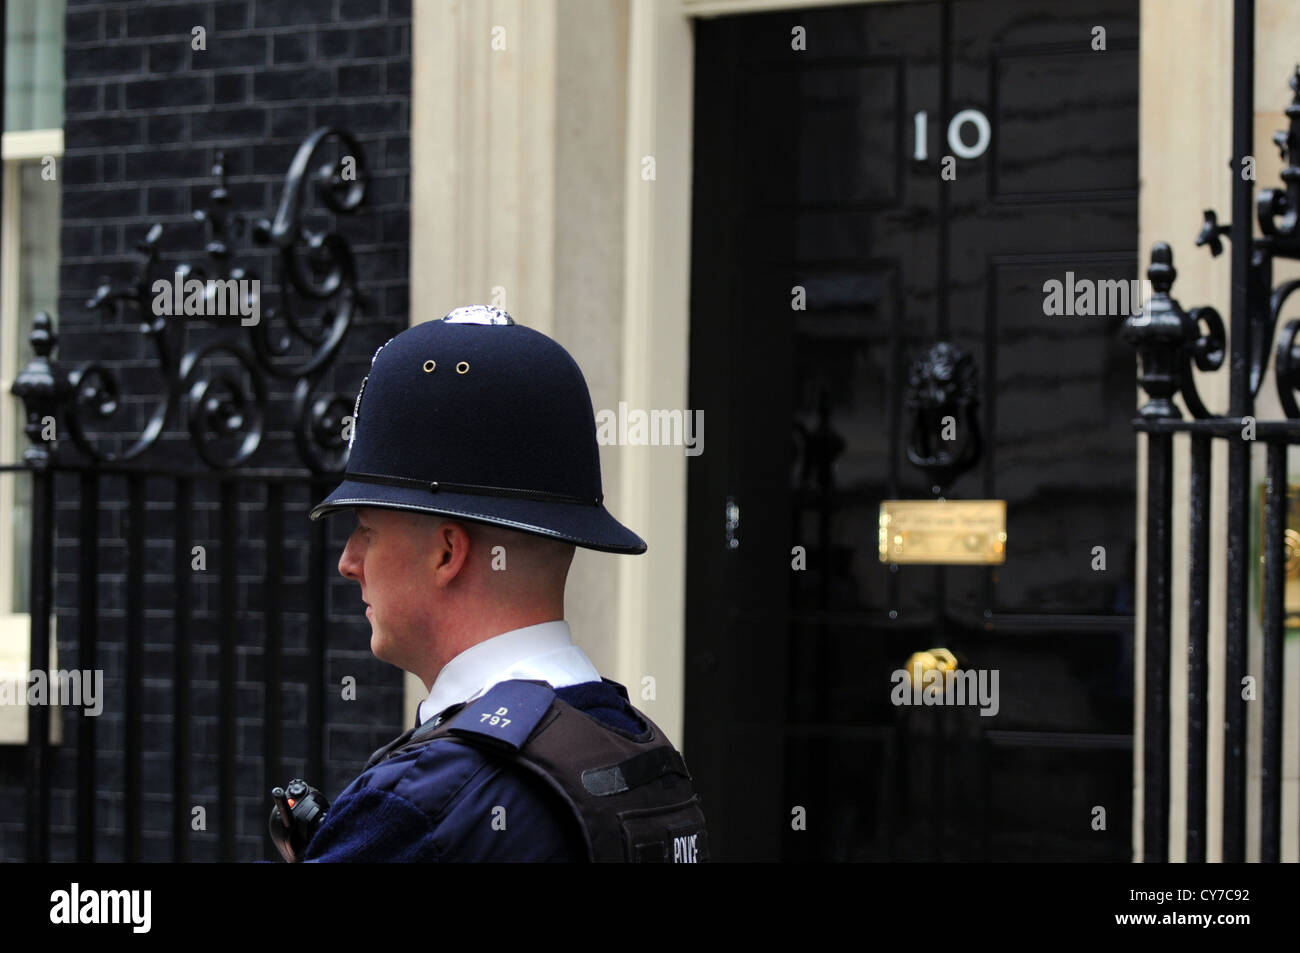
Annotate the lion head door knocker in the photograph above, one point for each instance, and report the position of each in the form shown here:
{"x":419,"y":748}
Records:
{"x":942,"y":402}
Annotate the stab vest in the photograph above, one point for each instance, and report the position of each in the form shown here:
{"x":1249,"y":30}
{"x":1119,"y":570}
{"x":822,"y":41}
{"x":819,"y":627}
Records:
{"x":633,"y":799}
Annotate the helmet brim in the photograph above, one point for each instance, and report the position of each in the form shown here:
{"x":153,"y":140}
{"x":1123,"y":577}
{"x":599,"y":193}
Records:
{"x":591,"y":527}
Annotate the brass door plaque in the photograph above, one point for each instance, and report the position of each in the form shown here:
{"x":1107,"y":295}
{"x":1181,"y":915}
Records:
{"x":955,"y":532}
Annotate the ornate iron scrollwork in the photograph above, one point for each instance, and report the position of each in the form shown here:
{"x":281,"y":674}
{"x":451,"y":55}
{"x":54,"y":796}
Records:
{"x":42,"y":390}
{"x":220,"y":388}
{"x":943,"y":383}
{"x":1278,"y":214}
{"x":1169,"y":339}
{"x":1286,"y":366}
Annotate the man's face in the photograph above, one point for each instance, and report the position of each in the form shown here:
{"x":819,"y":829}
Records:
{"x":386,"y":554}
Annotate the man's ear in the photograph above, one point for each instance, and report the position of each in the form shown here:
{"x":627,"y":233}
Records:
{"x":448,"y":551}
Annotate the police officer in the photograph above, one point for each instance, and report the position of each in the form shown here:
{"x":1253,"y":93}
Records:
{"x":474,"y":472}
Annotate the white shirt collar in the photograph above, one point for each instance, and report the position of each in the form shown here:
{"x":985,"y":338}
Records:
{"x":543,"y":651}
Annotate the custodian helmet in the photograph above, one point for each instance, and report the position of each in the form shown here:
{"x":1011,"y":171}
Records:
{"x":476,"y":417}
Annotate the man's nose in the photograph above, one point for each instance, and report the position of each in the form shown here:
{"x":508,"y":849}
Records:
{"x":349,"y":564}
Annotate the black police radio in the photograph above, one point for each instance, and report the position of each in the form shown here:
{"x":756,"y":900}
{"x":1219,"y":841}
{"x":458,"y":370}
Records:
{"x":298,"y":813}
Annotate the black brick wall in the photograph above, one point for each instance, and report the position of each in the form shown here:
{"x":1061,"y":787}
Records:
{"x":145,"y":115}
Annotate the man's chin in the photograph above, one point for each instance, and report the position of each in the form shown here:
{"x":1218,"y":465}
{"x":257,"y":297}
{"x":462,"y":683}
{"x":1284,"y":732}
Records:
{"x":379,"y":648}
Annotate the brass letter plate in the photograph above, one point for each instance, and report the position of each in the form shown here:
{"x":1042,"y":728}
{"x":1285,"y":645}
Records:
{"x":959,"y":532}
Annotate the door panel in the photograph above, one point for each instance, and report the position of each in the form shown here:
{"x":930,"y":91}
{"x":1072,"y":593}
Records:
{"x":827,"y":258}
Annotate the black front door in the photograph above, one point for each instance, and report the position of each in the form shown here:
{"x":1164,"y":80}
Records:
{"x":874,"y":186}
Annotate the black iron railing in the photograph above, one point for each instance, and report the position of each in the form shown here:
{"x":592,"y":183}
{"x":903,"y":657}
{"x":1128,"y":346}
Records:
{"x":1170,"y":341}
{"x":217,"y":391}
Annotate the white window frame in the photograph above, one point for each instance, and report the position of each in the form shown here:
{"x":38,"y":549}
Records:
{"x":17,"y":149}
